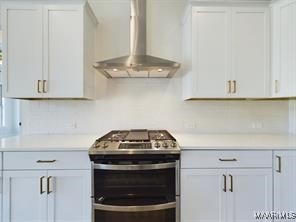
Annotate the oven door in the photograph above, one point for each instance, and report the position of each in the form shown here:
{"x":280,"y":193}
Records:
{"x":134,"y":210}
{"x":135,"y":192}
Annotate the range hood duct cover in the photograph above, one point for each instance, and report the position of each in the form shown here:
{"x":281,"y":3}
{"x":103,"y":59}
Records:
{"x":138,"y":63}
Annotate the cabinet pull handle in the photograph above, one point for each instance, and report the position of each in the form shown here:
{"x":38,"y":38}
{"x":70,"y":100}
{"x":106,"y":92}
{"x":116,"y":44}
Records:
{"x":231,"y":183}
{"x":38,"y":86}
{"x":41,"y":185}
{"x":279,"y":159}
{"x":224,"y":183}
{"x":44,"y":86}
{"x":45,"y":161}
{"x":276,"y":86}
{"x":234,"y":86}
{"x":229,"y":86}
{"x":48,"y":185}
{"x":228,"y":160}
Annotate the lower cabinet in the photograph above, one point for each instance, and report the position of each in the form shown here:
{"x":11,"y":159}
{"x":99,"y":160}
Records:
{"x":47,"y":196}
{"x":47,"y":186}
{"x":225,"y":190}
{"x":285,"y":184}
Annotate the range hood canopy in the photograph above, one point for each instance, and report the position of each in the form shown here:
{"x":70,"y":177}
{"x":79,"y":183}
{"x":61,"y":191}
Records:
{"x":138,"y":63}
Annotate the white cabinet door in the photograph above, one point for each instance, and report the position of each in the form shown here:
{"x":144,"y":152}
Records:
{"x":211,"y":60}
{"x":249,"y":191}
{"x":24,"y":197}
{"x":284,"y":48}
{"x":202,"y":196}
{"x":69,"y":198}
{"x":63,"y":54}
{"x":250,"y":52}
{"x":284,"y":182}
{"x":22,"y":51}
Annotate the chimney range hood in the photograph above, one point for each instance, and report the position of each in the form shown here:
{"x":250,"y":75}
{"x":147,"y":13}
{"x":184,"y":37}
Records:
{"x":138,"y":63}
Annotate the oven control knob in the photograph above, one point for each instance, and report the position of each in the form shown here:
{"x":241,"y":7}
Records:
{"x":157,"y":144}
{"x":165,"y":144}
{"x":173,"y":144}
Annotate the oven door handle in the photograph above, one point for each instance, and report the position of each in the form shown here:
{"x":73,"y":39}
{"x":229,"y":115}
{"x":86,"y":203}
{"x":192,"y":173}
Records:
{"x":114,"y":208}
{"x":157,"y":166}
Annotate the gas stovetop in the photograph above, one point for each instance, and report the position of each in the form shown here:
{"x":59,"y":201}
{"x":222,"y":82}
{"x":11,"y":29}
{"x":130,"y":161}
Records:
{"x":140,"y":141}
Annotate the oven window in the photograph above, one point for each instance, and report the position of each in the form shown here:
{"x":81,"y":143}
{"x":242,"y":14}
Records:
{"x":138,"y":184}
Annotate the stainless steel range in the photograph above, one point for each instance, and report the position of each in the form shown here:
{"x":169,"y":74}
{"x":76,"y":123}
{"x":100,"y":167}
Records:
{"x":135,"y":176}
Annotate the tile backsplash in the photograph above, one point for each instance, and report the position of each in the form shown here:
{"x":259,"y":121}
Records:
{"x":153,"y":103}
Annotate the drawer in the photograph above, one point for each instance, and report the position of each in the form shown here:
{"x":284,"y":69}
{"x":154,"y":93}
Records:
{"x":225,"y":159}
{"x":46,"y":160}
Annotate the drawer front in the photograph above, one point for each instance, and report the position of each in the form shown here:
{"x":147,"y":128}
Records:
{"x":225,"y":159}
{"x":45,"y":160}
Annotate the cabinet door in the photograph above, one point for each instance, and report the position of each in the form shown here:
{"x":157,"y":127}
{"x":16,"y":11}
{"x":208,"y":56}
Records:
{"x":22,"y":50}
{"x":69,"y":198}
{"x":250,"y":52}
{"x":210,"y":40}
{"x":202,"y":195}
{"x":284,"y":49}
{"x":63,"y":44}
{"x":284,"y":182}
{"x":249,"y":191}
{"x":24,"y":197}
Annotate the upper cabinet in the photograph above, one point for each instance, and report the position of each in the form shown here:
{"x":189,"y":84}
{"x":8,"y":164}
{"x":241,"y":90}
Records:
{"x":48,"y":49}
{"x":284,"y":48}
{"x":226,"y":52}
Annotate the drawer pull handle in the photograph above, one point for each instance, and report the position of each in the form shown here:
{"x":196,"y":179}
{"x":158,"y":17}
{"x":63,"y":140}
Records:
{"x":279,"y":169}
{"x":228,"y":160}
{"x":231,"y":183}
{"x":46,"y":161}
{"x":224,"y":185}
{"x":41,"y":185}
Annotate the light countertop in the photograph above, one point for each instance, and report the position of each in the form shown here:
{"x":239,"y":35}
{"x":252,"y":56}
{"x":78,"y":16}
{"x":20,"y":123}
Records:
{"x":236,"y":141}
{"x":186,"y":141}
{"x":47,"y":142}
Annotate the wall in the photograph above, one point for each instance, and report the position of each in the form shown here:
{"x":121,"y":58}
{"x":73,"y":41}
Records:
{"x":149,"y":103}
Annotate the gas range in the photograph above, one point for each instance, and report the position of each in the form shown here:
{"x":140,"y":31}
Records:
{"x":137,"y":141}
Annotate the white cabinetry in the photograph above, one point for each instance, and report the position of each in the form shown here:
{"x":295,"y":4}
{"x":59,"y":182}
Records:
{"x":226,"y":52}
{"x":226,"y":191}
{"x":284,"y":182}
{"x":46,"y":193}
{"x":283,"y":48}
{"x":48,"y":49}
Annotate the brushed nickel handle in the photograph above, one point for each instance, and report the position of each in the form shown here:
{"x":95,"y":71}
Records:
{"x":38,"y":86}
{"x":48,"y":185}
{"x":229,"y":86}
{"x":228,"y":160}
{"x":276,"y":86}
{"x":279,"y":169}
{"x":45,"y":161}
{"x":44,"y":86}
{"x":234,"y":86}
{"x":41,"y":185}
{"x":224,"y":184}
{"x":158,"y":166}
{"x":231,"y":183}
{"x":147,"y":208}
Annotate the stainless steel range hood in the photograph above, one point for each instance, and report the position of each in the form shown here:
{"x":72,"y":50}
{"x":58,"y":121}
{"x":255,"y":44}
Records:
{"x":138,"y":63}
